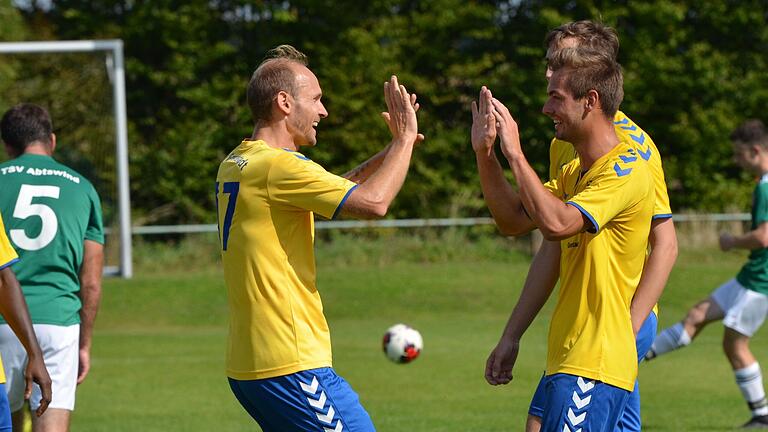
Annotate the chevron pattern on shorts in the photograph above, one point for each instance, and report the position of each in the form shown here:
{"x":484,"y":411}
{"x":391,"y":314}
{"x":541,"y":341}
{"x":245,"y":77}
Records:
{"x":324,"y":411}
{"x":577,"y":413}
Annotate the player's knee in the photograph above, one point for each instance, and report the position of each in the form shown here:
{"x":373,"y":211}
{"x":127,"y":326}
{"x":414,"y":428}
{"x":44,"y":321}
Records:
{"x":737,"y":351}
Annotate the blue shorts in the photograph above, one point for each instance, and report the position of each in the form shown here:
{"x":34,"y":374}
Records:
{"x":315,"y":400}
{"x":573,"y":403}
{"x":5,"y":411}
{"x":630,"y":418}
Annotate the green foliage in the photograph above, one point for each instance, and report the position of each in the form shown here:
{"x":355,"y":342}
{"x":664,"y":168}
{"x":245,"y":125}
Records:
{"x":693,"y":72}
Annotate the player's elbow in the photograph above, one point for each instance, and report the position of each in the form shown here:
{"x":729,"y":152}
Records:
{"x":512,"y":230}
{"x":366,"y":204}
{"x":378,"y":210}
{"x":555,"y":231}
{"x":553,"y":235}
{"x":377,"y":206}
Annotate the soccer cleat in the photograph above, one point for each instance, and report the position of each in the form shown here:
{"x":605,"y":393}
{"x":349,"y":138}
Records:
{"x":756,"y":422}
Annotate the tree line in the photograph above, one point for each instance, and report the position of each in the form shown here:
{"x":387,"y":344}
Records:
{"x":693,"y":71}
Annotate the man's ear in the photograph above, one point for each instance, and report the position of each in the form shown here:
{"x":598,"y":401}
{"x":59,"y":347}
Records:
{"x":591,"y":100}
{"x":53,"y":142}
{"x":284,"y":102}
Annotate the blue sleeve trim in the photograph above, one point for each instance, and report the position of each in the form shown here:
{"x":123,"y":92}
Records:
{"x":595,"y":226}
{"x":662,"y":216}
{"x":9,"y":263}
{"x":343,"y":200}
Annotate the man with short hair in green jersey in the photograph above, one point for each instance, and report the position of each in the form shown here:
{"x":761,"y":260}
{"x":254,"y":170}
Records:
{"x":742,"y":302}
{"x":53,"y":218}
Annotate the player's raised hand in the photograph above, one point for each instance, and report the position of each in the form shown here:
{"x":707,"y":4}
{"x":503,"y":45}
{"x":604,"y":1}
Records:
{"x":483,"y":123}
{"x":37,"y":373}
{"x":498,"y":367}
{"x":507,"y":127}
{"x":401,"y":112}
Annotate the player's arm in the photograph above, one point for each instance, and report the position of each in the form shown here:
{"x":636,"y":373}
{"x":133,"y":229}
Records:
{"x":755,"y":239}
{"x":373,"y":197}
{"x":663,"y":242}
{"x":13,"y":307}
{"x":500,"y":197}
{"x":541,"y":279}
{"x":90,"y":296}
{"x":365,"y":170}
{"x":556,"y":219}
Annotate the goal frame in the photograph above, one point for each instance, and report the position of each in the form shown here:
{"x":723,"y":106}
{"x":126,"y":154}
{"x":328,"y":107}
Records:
{"x":116,"y":69}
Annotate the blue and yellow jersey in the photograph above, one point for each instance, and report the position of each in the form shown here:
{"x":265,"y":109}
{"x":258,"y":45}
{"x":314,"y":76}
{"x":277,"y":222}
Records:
{"x":7,"y":257}
{"x":561,"y":153}
{"x":8,"y":254}
{"x":591,"y":331}
{"x":266,"y":199}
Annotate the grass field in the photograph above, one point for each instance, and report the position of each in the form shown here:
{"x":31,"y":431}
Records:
{"x":158,"y":356}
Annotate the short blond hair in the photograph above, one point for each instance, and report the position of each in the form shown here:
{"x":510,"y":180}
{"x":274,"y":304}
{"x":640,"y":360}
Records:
{"x":591,"y":35}
{"x":591,"y":70}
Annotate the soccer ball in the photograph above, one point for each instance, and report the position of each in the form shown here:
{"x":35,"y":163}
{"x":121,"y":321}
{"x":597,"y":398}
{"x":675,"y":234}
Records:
{"x":402,"y":344}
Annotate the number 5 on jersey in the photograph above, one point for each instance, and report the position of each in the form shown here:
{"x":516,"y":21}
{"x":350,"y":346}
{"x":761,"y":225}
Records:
{"x":231,"y":188}
{"x":25,"y":209}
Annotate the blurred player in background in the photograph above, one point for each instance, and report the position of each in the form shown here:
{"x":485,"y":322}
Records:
{"x":53,"y":217}
{"x":742,"y":302}
{"x":279,"y":354}
{"x":600,"y":209}
{"x":539,"y":284}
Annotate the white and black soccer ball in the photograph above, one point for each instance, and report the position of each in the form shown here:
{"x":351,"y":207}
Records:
{"x":402,"y":344}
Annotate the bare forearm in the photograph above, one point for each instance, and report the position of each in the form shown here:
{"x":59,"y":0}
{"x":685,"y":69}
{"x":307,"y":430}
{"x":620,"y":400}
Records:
{"x":372,"y":198}
{"x":663,"y":241}
{"x":539,"y":283}
{"x":362,"y":172}
{"x":554,"y":218}
{"x":502,"y":200}
{"x":90,"y":289}
{"x":91,"y":297}
{"x":750,"y":241}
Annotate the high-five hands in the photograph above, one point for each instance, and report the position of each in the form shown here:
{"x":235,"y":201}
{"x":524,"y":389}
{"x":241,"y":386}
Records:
{"x":483,"y":123}
{"x":401,"y":112}
{"x":490,"y":118}
{"x":507,"y":129}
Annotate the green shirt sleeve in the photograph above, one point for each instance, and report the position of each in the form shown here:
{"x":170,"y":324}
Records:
{"x":95,"y":230}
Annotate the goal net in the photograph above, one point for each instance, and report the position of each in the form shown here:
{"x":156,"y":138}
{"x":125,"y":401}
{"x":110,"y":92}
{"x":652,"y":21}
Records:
{"x":82,"y":85}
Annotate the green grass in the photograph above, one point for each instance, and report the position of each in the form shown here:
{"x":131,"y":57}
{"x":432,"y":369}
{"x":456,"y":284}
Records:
{"x":158,"y":356}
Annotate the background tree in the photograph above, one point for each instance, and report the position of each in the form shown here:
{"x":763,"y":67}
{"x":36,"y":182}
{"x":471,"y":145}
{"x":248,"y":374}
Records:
{"x":693,"y":72}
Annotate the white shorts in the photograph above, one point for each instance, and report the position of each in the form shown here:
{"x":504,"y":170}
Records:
{"x":60,"y":346}
{"x":744,"y":309}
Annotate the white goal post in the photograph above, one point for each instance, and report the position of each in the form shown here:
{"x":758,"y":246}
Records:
{"x":116,"y":69}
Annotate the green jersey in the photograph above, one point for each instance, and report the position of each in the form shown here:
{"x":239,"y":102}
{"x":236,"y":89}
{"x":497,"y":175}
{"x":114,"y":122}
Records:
{"x":49,"y":211}
{"x":754,"y":274}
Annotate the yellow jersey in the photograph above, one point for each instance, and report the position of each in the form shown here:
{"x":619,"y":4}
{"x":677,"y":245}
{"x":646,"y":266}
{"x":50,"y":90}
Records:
{"x":561,"y":153}
{"x":266,"y":199}
{"x":8,"y":256}
{"x":590,"y":334}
